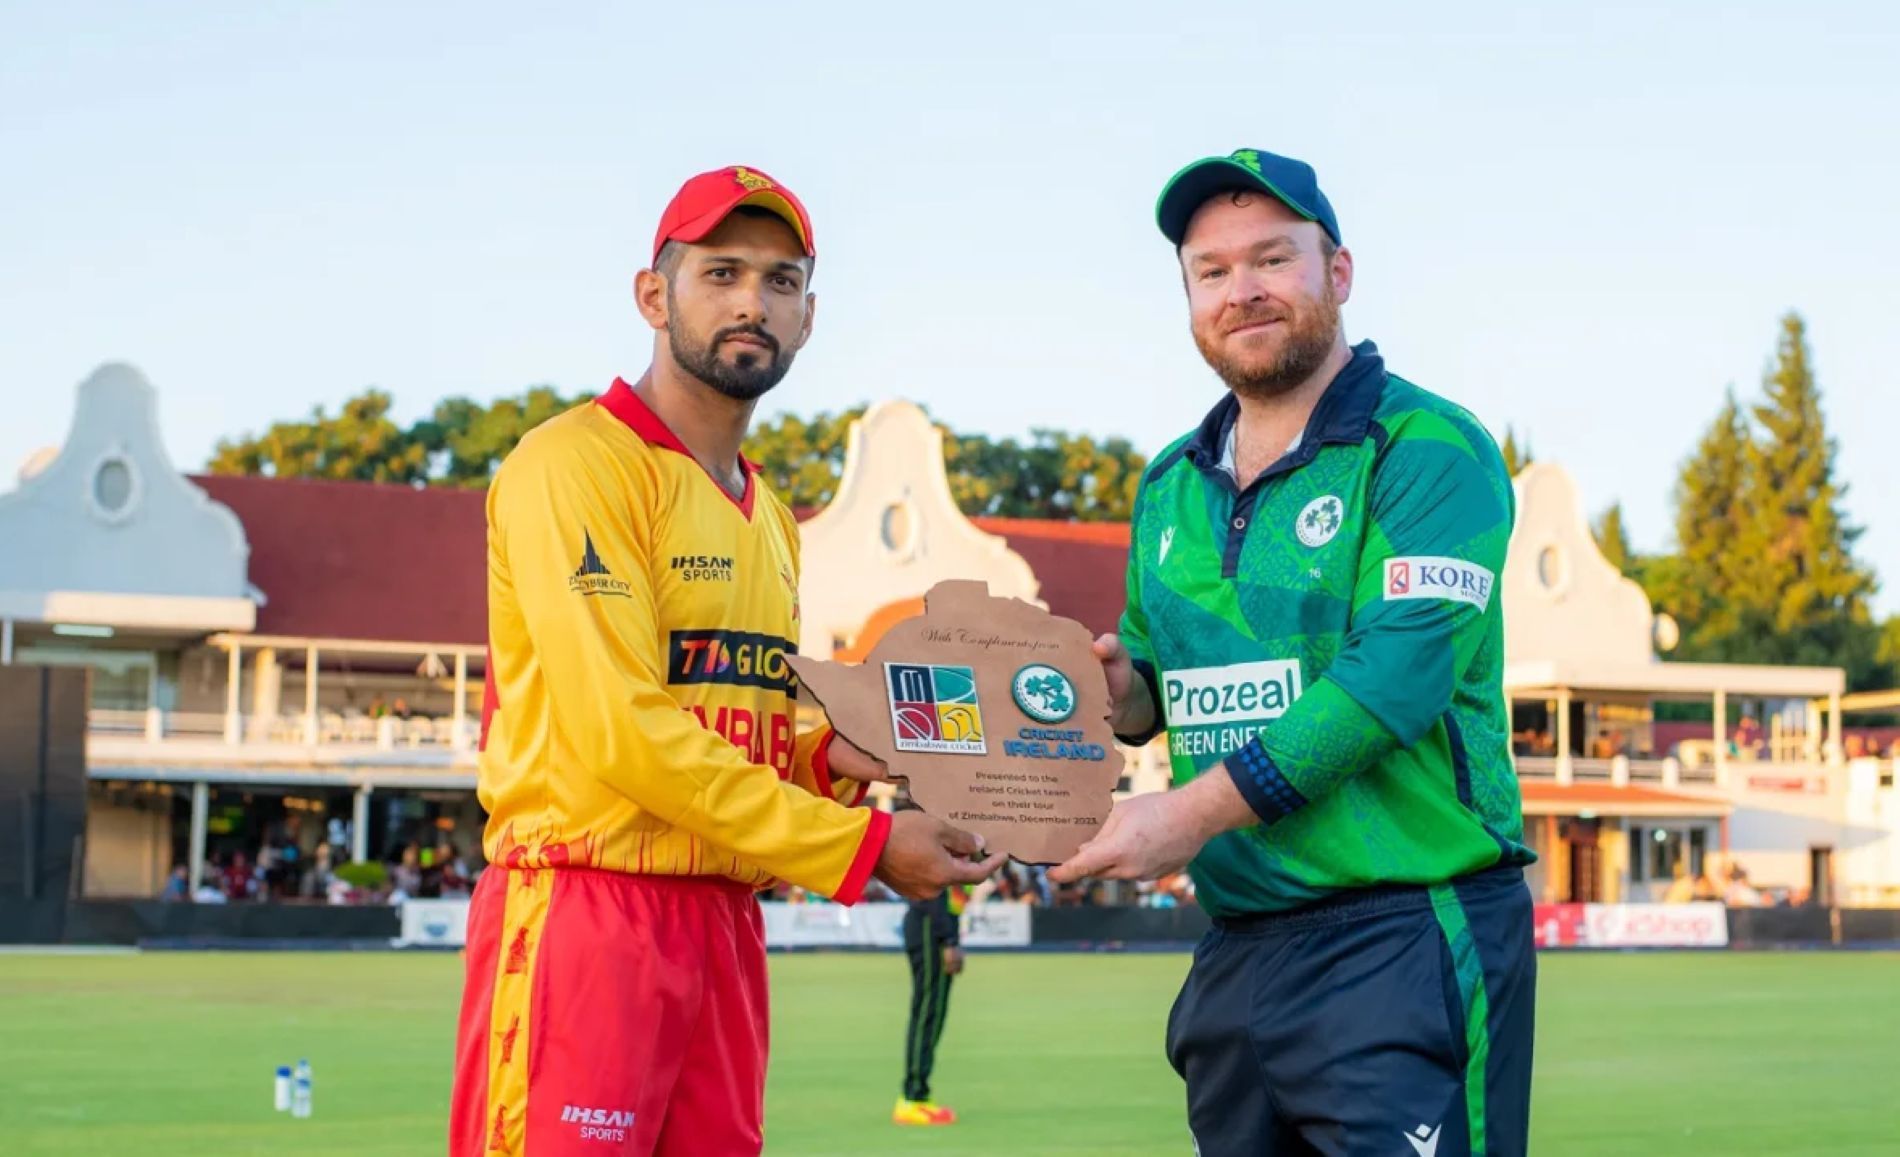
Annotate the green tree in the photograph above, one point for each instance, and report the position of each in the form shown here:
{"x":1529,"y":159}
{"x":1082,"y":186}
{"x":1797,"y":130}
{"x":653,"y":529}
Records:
{"x":462,"y":442}
{"x":1698,"y":585}
{"x":361,"y":443}
{"x":802,"y":459}
{"x":466,"y":440}
{"x":1613,"y":540}
{"x":1806,"y":599}
{"x":1054,"y":475}
{"x":1515,"y":459}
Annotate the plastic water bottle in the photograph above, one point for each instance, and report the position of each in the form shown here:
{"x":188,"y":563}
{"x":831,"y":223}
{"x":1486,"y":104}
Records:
{"x":281,"y":1100}
{"x":300,"y":1091}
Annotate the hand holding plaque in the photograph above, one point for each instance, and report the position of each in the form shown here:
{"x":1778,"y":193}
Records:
{"x":996,"y":713}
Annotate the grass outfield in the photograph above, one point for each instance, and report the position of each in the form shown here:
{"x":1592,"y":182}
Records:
{"x":163,"y":1054}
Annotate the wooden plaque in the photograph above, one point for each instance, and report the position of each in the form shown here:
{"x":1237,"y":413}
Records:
{"x":995,"y":712}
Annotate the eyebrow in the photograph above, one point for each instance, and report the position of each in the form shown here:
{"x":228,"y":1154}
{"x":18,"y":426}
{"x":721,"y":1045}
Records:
{"x":779,"y":266}
{"x":1277,"y":241}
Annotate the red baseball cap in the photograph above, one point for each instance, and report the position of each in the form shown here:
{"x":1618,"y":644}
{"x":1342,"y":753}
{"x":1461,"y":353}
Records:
{"x":706,"y":200}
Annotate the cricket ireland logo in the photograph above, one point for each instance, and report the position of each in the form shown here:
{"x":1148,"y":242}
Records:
{"x":1044,"y":693}
{"x":1320,"y":521}
{"x":934,"y":709}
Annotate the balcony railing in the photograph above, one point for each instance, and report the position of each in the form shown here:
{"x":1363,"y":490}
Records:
{"x":152,"y":727}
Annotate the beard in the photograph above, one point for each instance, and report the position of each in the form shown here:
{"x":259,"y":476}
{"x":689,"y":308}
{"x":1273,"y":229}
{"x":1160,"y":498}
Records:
{"x":1311,"y":331}
{"x":746,"y":378}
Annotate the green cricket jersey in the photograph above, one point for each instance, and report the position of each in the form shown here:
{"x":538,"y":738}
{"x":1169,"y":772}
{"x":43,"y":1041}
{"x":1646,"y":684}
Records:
{"x":1333,"y":632}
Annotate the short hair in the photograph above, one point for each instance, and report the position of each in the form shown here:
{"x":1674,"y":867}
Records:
{"x":667,"y":262}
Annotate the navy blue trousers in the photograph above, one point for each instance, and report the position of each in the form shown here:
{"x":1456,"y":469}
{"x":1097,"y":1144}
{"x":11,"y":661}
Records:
{"x":1394,"y":1020}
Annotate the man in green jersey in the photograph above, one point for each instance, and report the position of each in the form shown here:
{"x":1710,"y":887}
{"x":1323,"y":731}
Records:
{"x":1313,"y":616}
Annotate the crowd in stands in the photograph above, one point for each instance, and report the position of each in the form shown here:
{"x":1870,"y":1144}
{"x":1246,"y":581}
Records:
{"x":1730,"y":886}
{"x":1015,"y":883}
{"x":280,"y":873}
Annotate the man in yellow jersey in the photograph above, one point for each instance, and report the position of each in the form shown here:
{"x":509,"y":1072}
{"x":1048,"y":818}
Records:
{"x":640,"y":766}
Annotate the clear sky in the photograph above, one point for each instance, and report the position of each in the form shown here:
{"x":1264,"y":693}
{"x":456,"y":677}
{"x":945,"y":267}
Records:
{"x":1584,"y":225}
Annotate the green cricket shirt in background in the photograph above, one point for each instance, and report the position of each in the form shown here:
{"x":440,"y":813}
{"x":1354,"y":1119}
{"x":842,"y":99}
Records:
{"x":1333,"y":632}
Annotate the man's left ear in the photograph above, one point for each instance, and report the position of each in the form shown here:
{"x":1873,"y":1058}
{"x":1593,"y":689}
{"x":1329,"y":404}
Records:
{"x":811,"y":311}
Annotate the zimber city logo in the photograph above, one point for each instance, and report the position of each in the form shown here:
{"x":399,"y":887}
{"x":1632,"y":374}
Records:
{"x":593,"y":577}
{"x":1438,"y":578}
{"x":934,"y":709}
{"x":598,"y":1124}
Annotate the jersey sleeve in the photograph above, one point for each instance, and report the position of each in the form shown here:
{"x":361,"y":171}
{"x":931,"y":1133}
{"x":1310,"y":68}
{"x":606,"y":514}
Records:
{"x":1424,"y":601}
{"x":811,"y":768}
{"x":1133,"y":630}
{"x":597,"y":640}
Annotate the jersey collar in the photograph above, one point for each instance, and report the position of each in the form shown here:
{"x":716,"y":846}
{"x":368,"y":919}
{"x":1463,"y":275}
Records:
{"x":1343,"y":415}
{"x":636,"y":415}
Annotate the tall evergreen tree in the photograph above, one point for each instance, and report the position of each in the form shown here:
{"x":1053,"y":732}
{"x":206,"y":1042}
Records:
{"x":1613,"y":540}
{"x":1699,"y":586}
{"x":1515,"y":459}
{"x":1806,"y":598}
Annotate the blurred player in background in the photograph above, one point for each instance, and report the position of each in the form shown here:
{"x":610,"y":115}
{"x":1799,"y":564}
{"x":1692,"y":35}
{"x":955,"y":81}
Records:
{"x":639,"y":763}
{"x":933,"y":942}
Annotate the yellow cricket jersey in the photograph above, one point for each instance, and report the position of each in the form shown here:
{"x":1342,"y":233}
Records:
{"x":639,"y":715}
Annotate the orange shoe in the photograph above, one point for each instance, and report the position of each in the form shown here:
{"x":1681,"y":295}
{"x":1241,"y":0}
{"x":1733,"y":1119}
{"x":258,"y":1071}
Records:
{"x":910,"y":1112}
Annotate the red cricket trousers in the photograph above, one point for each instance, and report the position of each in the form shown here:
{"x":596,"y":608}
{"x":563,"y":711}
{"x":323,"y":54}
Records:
{"x":610,"y":1015}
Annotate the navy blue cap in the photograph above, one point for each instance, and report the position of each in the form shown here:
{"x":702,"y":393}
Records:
{"x":1293,"y":182}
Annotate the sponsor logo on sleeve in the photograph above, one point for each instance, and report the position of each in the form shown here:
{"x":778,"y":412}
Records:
{"x":592,"y":577}
{"x":1438,"y":578}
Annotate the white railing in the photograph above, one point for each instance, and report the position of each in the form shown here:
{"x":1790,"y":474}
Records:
{"x":328,"y":729}
{"x":1539,"y":768}
{"x":1648,"y":770}
{"x":1592,"y":770}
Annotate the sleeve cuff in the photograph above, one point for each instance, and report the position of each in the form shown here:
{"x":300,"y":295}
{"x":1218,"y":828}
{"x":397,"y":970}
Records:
{"x":848,"y":794}
{"x":821,"y":764}
{"x":1261,"y":783}
{"x":869,"y":849}
{"x":1146,"y":670}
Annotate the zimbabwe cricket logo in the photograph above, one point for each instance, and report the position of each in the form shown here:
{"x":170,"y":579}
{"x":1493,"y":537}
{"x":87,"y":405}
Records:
{"x":751,"y":180}
{"x":934,"y":709}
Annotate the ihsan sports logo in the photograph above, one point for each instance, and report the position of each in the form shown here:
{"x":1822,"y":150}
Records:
{"x":598,"y":1124}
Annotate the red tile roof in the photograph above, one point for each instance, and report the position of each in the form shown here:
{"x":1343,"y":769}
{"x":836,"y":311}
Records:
{"x":356,"y":560}
{"x":1082,"y":566}
{"x":1612,"y":800}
